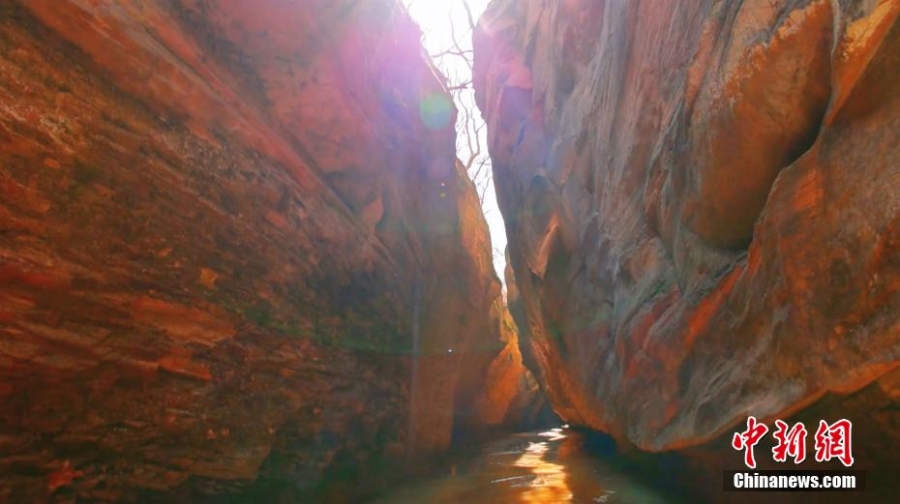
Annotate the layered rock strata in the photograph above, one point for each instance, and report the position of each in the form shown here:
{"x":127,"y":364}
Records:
{"x":236,"y":254}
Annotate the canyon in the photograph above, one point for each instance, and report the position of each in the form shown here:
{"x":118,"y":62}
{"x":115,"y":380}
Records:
{"x":240,"y":261}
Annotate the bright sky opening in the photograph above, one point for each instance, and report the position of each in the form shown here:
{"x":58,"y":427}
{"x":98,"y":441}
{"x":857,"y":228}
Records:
{"x":441,"y":22}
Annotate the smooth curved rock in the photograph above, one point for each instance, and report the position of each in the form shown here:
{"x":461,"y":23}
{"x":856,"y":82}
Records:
{"x":702,"y":206}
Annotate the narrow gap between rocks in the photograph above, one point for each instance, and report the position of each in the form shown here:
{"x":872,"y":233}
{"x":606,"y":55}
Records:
{"x":447,"y":29}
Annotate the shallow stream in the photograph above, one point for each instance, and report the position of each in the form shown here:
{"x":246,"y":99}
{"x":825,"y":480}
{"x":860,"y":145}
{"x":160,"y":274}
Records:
{"x":555,"y":466}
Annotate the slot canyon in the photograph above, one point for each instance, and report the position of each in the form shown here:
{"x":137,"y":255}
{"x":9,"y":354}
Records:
{"x":241,"y":262}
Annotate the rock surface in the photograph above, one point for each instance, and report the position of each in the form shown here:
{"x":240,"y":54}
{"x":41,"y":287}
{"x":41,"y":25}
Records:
{"x":509,"y":396}
{"x":703,"y":211}
{"x":225,"y":229}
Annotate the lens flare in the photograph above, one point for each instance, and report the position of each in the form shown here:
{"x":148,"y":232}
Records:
{"x":436,"y":110}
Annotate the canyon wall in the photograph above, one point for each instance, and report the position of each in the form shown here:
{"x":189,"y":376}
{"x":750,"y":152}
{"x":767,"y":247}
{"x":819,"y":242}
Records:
{"x":226,"y":229}
{"x":703,"y":207}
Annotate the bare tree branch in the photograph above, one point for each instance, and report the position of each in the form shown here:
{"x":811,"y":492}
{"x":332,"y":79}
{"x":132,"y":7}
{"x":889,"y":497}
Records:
{"x":460,"y":86}
{"x":454,"y":52}
{"x":455,"y":61}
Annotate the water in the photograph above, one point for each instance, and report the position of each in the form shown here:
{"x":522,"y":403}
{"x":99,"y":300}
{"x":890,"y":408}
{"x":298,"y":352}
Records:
{"x":549,"y":467}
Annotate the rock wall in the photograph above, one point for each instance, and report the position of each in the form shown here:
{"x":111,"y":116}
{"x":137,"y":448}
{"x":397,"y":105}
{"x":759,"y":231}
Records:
{"x":509,"y":397}
{"x":226,"y":228}
{"x":703,"y":211}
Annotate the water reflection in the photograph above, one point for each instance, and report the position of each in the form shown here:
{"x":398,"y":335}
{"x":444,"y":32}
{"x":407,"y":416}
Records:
{"x":534,"y":468}
{"x":549,"y":481}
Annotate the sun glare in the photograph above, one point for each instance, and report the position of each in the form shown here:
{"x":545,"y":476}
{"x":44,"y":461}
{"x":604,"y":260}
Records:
{"x":440,"y":18}
{"x":447,"y":25}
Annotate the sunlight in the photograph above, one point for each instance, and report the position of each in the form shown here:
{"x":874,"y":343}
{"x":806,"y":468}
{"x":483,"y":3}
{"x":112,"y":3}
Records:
{"x":439,"y":20}
{"x":549,"y":484}
{"x":446,"y":26}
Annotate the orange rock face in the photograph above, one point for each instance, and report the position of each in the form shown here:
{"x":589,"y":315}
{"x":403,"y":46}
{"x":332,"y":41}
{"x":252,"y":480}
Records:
{"x":508,"y":395}
{"x":226,"y":228}
{"x":702,"y":206}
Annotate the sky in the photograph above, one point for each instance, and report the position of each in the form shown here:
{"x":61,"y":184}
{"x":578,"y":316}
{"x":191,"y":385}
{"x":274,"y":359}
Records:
{"x":439,"y":20}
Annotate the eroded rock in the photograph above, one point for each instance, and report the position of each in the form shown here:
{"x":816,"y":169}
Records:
{"x":701,"y":202}
{"x":226,"y":229}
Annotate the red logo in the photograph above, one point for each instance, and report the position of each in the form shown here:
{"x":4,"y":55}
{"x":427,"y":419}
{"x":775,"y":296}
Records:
{"x":748,"y":439}
{"x":791,"y":443}
{"x":833,"y":441}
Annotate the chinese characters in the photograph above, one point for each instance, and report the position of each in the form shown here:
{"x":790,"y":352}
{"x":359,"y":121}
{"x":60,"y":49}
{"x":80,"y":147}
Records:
{"x":832,"y":441}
